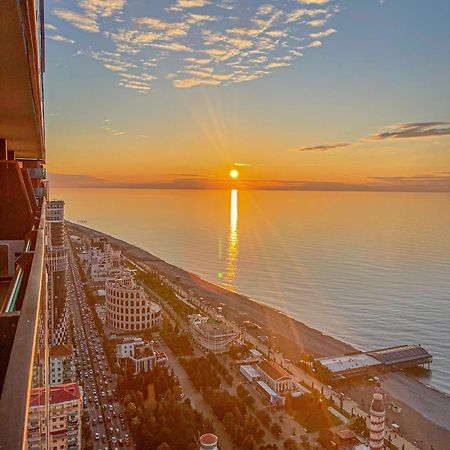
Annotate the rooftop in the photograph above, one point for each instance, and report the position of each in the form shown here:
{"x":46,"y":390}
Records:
{"x":273,"y":370}
{"x":58,"y":394}
{"x":208,"y":439}
{"x":61,"y":351}
{"x":346,"y":434}
{"x":399,"y":354}
{"x":348,"y":362}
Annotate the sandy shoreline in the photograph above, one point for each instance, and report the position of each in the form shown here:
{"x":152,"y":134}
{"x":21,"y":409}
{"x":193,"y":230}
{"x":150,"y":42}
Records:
{"x":296,"y":335}
{"x":426,"y":409}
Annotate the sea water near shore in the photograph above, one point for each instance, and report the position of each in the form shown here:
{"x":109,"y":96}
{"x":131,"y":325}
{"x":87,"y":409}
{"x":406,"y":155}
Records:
{"x":372,"y":269}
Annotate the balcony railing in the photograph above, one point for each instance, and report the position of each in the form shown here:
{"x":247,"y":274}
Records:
{"x":25,"y":303}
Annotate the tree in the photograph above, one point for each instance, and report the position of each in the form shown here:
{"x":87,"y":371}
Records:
{"x":359,"y":425}
{"x":276,"y":430}
{"x":290,"y":444}
{"x":164,"y":446}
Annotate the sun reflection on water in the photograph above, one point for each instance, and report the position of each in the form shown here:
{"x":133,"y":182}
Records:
{"x":233,"y":242}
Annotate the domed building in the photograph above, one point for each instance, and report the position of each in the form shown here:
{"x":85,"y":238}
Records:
{"x":127,"y":305}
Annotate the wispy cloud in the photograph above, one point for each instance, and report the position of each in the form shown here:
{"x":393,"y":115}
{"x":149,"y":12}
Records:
{"x":325,"y":147}
{"x":59,"y":38}
{"x":199,"y":42}
{"x":414,"y":130}
{"x":78,"y":20}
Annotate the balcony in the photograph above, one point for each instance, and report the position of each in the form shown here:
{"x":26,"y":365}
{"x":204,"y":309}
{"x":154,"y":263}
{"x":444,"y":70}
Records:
{"x":21,"y":68}
{"x":23,"y":303}
{"x":22,"y":212}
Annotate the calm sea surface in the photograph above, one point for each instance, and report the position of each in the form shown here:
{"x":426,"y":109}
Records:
{"x":372,"y":269}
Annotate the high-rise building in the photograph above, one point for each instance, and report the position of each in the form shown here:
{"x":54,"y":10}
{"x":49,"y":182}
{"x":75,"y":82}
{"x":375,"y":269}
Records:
{"x":64,"y":418}
{"x":56,"y":261}
{"x":23,"y":300}
{"x":377,"y":421}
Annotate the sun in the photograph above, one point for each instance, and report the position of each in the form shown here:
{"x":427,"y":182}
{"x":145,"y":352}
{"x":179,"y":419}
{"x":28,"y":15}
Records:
{"x":234,"y":173}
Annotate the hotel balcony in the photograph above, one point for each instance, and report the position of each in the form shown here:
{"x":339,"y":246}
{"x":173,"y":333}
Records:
{"x":22,"y":212}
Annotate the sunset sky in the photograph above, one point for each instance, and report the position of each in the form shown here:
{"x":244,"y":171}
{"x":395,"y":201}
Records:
{"x":292,"y":93}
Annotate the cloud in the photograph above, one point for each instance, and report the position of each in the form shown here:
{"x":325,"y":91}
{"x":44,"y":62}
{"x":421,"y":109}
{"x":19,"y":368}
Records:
{"x":237,"y":44}
{"x":313,"y":2}
{"x":315,"y":44}
{"x":414,"y":130}
{"x":322,"y":34}
{"x":191,"y":3}
{"x":81,"y":21}
{"x":49,"y":26}
{"x":325,"y":147}
{"x":104,"y":8}
{"x":317,"y":22}
{"x":277,"y":64}
{"x":59,"y":38}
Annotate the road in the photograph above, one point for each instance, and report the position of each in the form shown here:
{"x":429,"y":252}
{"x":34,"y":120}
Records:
{"x":108,"y":429}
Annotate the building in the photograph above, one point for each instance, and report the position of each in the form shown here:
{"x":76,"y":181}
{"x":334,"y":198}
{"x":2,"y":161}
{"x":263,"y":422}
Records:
{"x":127,"y":305}
{"x":23,"y":191}
{"x":62,"y":365}
{"x":64,"y":418}
{"x":249,"y":372}
{"x":208,"y":441}
{"x":269,"y":394}
{"x":57,"y":264}
{"x":102,"y":258}
{"x":213,"y":337}
{"x":345,"y":439}
{"x":195,"y":319}
{"x":347,"y":366}
{"x":377,"y":421}
{"x":403,"y":356}
{"x":369,"y":363}
{"x":275,"y":376}
{"x":139,"y":355}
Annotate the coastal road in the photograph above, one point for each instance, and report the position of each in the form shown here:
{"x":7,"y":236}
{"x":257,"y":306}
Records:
{"x":96,"y":375}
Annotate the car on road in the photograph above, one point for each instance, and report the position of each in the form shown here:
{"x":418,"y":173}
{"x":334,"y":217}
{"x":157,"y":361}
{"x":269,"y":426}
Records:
{"x":97,"y":437}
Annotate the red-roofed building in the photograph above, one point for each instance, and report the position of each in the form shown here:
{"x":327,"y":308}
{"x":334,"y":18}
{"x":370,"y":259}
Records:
{"x":64,"y":418}
{"x":275,"y":376}
{"x":208,"y":441}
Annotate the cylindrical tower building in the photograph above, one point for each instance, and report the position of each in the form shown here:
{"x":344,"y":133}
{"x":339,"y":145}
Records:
{"x":208,"y":441}
{"x":377,"y":421}
{"x":127,"y":305}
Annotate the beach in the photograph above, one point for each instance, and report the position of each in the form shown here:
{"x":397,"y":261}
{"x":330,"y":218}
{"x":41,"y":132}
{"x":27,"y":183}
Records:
{"x":425,"y":410}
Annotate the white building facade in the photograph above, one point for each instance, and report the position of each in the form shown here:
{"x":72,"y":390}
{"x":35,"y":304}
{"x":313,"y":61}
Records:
{"x":275,"y":376}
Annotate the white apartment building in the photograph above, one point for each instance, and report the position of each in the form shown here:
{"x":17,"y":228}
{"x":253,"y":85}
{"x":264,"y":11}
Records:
{"x":102,"y":258}
{"x":127,"y":305}
{"x":139,"y":354}
{"x":64,"y":418}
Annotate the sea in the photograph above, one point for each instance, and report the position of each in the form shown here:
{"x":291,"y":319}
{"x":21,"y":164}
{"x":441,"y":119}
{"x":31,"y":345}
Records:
{"x":369,"y":268}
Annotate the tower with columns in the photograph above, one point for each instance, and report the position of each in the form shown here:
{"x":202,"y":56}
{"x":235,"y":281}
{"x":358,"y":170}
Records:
{"x":377,"y":421}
